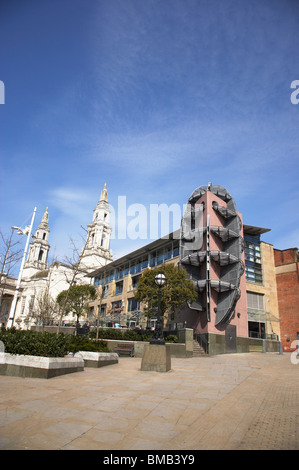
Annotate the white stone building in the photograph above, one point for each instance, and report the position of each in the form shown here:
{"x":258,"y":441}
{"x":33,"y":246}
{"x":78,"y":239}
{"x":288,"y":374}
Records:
{"x":39,"y":277}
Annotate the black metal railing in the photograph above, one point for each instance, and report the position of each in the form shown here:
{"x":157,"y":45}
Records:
{"x":202,"y":339}
{"x":260,"y":335}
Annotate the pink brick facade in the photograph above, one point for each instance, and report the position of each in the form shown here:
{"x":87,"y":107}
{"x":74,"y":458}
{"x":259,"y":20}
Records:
{"x":239,"y":319}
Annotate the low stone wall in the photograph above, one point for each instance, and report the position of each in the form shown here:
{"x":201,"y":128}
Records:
{"x":244,"y":345}
{"x":182,"y":349}
{"x":18,"y":365}
{"x":176,"y":349}
{"x":257,"y":345}
{"x":68,"y":330}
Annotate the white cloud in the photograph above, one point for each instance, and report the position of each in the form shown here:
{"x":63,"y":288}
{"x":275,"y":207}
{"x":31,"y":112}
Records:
{"x":71,"y":201}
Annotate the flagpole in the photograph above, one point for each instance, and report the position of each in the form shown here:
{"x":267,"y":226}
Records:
{"x":15,"y":298}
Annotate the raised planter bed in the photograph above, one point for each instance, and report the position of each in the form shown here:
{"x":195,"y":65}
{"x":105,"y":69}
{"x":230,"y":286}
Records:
{"x":18,"y":365}
{"x":97,"y":359}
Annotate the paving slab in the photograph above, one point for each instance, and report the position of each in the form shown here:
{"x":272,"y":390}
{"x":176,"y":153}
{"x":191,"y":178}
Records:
{"x":226,"y":402}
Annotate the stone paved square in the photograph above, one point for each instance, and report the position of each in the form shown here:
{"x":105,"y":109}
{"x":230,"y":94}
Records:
{"x":227,"y":402}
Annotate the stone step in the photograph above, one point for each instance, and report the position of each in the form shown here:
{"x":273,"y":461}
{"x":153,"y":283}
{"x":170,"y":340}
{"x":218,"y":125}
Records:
{"x":198,"y":349}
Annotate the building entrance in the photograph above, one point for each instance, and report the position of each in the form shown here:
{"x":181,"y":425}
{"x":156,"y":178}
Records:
{"x":231,"y":339}
{"x":256,"y":329}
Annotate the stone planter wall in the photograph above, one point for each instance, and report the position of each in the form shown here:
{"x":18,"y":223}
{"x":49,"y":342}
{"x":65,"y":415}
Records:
{"x":95,"y":359}
{"x":18,"y":365}
{"x":176,"y":349}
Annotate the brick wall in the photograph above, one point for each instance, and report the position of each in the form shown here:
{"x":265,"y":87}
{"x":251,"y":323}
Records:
{"x":283,"y":257}
{"x":287,"y":279}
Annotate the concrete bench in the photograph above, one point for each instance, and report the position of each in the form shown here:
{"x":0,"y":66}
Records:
{"x":96,"y":359}
{"x":19,"y":365}
{"x":124,"y":349}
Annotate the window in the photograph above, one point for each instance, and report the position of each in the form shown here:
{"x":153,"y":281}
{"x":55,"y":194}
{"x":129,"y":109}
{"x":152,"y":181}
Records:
{"x":23,"y":305}
{"x":153,"y":259}
{"x":176,"y":249}
{"x":90,"y":314}
{"x":31,"y":302}
{"x":168,"y":252}
{"x":255,"y":301}
{"x":253,"y":260}
{"x":144,"y":262}
{"x":126,"y":269}
{"x":105,"y":291}
{"x":119,"y":288}
{"x":132,"y":304}
{"x":135,"y":266}
{"x":118,"y":273}
{"x":116,"y":306}
{"x":256,"y":314}
{"x":160,"y":257}
{"x":135,"y":282}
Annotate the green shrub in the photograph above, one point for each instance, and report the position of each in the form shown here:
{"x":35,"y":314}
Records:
{"x":33,"y":343}
{"x":107,"y":333}
{"x":121,"y":334}
{"x":131,"y":335}
{"x":82,"y":343}
{"x":171,"y":339}
{"x":145,"y":337}
{"x":128,"y":335}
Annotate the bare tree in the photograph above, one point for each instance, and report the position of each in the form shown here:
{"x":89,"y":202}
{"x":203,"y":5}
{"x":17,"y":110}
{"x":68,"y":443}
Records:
{"x":10,"y":255}
{"x":101,"y":296}
{"x":45,"y":309}
{"x":76,"y":268}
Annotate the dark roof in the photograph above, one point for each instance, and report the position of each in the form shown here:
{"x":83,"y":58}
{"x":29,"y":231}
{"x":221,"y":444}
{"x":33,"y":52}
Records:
{"x":252,"y":230}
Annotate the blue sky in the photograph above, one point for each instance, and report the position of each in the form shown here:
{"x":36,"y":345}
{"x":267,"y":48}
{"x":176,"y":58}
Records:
{"x":153,"y":97}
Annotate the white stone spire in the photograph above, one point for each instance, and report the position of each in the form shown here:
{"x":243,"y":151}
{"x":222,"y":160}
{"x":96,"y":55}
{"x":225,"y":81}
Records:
{"x":104,"y":194}
{"x":97,"y":252}
{"x":39,"y":248}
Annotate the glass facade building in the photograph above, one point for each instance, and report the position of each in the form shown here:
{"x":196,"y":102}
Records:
{"x":136,"y":265}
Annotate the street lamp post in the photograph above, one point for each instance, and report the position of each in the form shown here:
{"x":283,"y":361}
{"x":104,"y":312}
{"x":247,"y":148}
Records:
{"x":27,"y":231}
{"x":160,"y":280}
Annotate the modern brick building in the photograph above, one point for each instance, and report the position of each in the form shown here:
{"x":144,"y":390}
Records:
{"x":287,"y":279}
{"x":261,"y":289}
{"x":233,"y":269}
{"x":237,"y":287}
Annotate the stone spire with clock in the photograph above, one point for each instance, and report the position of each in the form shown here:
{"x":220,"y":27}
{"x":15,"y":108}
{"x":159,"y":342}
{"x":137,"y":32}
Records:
{"x":37,"y":259}
{"x":97,"y":251}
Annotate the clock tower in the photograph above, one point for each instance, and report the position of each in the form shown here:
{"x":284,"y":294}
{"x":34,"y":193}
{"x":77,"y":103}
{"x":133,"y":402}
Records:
{"x":97,"y":251}
{"x":39,"y":248}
